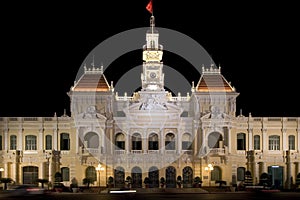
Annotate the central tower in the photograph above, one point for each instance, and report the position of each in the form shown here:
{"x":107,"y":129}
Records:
{"x":152,"y":76}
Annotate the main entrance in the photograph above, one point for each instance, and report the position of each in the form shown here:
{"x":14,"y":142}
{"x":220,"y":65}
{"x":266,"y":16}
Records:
{"x":30,"y":174}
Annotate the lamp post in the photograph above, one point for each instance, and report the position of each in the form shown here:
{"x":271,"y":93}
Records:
{"x":99,"y":168}
{"x":209,"y":168}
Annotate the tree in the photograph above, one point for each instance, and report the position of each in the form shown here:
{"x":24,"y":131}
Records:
{"x":128,"y":181}
{"x":87,"y":182}
{"x":110,"y":182}
{"x":162,"y":181}
{"x":179,"y":181}
{"x":6,"y":181}
{"x":146,"y":182}
{"x":42,"y":181}
{"x":197,"y":182}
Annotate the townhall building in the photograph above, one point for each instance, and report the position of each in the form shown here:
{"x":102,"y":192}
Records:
{"x":151,"y":134}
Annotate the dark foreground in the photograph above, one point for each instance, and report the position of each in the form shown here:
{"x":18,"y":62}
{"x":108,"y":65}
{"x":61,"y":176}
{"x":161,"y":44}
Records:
{"x":165,"y":196}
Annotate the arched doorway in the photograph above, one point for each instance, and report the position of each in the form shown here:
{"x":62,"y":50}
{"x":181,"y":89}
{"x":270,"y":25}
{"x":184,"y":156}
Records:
{"x":119,"y":177}
{"x":136,"y":174}
{"x":91,"y":174}
{"x":216,"y":174}
{"x":170,"y":177}
{"x":187,"y":177}
{"x":30,"y":174}
{"x":153,"y":175}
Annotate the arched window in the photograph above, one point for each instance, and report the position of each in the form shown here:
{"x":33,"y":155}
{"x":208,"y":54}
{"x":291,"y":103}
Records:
{"x":91,"y":140}
{"x":136,"y":141}
{"x":274,"y":142}
{"x":13,"y":142}
{"x":186,"y":142}
{"x":170,"y":141}
{"x":214,"y":139}
{"x":30,"y":142}
{"x":256,"y":142}
{"x":48,"y":142}
{"x":64,"y":141}
{"x":241,"y":173}
{"x":90,"y":173}
{"x":291,"y":142}
{"x":120,"y":141}
{"x":241,"y":141}
{"x":153,"y":141}
{"x":65,"y":173}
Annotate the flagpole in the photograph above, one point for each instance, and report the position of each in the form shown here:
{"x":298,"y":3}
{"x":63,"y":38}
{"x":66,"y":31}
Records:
{"x":152,"y":17}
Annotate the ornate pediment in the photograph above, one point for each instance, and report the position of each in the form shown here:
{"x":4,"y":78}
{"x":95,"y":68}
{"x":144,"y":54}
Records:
{"x":91,"y":113}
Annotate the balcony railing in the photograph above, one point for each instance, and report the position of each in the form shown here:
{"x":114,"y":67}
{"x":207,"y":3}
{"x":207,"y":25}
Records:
{"x":120,"y":152}
{"x":218,"y":151}
{"x":136,"y":151}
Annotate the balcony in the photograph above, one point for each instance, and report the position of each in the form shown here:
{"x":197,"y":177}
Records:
{"x":120,"y":152}
{"x":217,"y":151}
{"x":136,"y":151}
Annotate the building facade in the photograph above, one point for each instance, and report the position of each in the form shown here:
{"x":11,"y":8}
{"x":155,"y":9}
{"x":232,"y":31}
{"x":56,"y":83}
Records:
{"x":151,"y":134}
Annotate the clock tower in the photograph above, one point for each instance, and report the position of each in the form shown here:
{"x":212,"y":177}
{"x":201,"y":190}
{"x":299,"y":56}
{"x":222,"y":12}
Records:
{"x":152,"y":76}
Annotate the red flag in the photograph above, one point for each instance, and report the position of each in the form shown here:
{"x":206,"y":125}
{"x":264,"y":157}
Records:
{"x":149,"y":7}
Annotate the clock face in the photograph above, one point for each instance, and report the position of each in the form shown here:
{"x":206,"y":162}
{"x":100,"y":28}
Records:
{"x":152,"y":74}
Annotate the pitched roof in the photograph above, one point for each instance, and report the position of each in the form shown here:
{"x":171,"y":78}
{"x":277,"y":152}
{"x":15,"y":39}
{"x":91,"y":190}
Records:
{"x":212,"y":80}
{"x":93,"y":80}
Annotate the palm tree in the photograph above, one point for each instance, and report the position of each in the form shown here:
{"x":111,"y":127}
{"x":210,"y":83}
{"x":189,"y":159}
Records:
{"x":42,"y":181}
{"x":5,"y":181}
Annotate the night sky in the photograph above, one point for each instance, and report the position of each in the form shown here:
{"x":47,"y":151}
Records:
{"x":43,"y":45}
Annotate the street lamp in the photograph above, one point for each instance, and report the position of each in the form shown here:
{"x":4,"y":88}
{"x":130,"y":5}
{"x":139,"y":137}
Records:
{"x":99,"y":168}
{"x":209,"y":168}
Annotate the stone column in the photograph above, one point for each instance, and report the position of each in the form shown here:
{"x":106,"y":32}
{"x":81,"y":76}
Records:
{"x":265,"y":140}
{"x":229,"y":140}
{"x":145,"y":142}
{"x":77,"y":140}
{"x":298,"y":130}
{"x":6,"y":139}
{"x":41,"y":139}
{"x":20,"y":140}
{"x":284,"y":140}
{"x":250,"y":139}
{"x":41,"y":171}
{"x":179,"y":143}
{"x":128,"y":141}
{"x":162,"y":142}
{"x":288,"y":170}
{"x":55,"y":139}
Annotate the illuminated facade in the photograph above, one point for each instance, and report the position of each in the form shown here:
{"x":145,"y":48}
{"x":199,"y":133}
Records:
{"x":151,"y":134}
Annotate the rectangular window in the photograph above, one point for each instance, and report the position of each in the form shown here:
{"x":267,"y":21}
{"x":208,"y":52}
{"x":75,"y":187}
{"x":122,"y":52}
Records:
{"x":136,"y":145}
{"x":153,"y":145}
{"x":170,"y":145}
{"x":64,"y":141}
{"x":256,"y":142}
{"x":13,"y":142}
{"x":186,"y":145}
{"x":65,"y":173}
{"x":30,"y":142}
{"x":120,"y":145}
{"x":291,"y":142}
{"x":48,"y":142}
{"x":274,"y":142}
